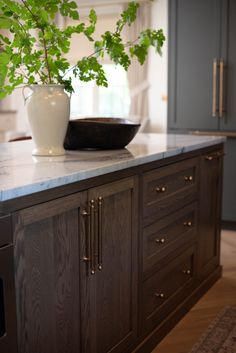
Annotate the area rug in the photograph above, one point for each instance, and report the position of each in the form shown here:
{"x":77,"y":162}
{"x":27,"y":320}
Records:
{"x":220,"y":337}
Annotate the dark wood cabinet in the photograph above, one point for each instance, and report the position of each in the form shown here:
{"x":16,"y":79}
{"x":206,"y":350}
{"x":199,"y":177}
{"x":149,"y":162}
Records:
{"x":75,"y":267}
{"x":210,"y":210}
{"x":202,"y":77}
{"x":8,"y":337}
{"x":110,"y":266}
{"x":109,"y":295}
{"x":46,"y":238}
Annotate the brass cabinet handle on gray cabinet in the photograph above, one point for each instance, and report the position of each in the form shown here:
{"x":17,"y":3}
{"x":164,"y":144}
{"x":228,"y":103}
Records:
{"x":221,"y":89}
{"x":214,"y":88}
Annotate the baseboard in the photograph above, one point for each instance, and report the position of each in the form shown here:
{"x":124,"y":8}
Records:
{"x":149,"y":343}
{"x":228,"y":225}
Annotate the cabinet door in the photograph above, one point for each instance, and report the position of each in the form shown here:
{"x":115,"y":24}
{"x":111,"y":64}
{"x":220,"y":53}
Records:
{"x":194,"y":42}
{"x":46,"y":254}
{"x":109,"y":296}
{"x":210,"y":210}
{"x":229,"y":71}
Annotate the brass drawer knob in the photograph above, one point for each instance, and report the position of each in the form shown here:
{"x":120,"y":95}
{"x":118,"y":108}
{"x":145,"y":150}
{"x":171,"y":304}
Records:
{"x":160,"y":189}
{"x":187,"y":272}
{"x":160,"y":241}
{"x":209,"y":158}
{"x":188,"y":178}
{"x":160,"y":295}
{"x":188,"y":224}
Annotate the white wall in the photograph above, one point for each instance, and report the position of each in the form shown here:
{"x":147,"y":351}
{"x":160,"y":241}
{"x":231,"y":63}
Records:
{"x":158,"y":72}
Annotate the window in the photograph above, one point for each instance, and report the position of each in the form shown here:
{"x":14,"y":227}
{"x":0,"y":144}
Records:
{"x":91,"y":100}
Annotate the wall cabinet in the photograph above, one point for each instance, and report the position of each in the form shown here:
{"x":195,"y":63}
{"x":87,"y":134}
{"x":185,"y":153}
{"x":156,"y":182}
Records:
{"x":202,"y":77}
{"x":114,"y":265}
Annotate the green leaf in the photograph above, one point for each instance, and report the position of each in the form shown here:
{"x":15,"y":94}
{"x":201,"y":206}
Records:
{"x":5,"y":22}
{"x":4,"y":58}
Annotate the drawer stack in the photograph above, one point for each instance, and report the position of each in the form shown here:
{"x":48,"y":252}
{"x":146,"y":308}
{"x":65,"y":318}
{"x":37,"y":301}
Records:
{"x":170,"y":224}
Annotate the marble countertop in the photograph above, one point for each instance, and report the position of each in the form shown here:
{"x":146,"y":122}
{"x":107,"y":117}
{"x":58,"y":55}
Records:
{"x":23,"y":174}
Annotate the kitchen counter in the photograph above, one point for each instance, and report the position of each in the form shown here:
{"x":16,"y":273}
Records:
{"x":94,"y":239}
{"x":23,"y":174}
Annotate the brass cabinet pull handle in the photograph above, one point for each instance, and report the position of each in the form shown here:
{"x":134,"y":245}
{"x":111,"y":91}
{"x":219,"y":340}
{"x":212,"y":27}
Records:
{"x":188,"y":178}
{"x":87,"y":257}
{"x":187,"y":272}
{"x":188,"y":224}
{"x":160,"y":295}
{"x":160,"y":189}
{"x":214,"y":88}
{"x":160,"y":241}
{"x":100,"y":243}
{"x":221,"y":89}
{"x":92,"y":237}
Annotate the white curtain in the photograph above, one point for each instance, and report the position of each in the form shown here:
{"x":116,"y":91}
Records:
{"x":137,"y":74}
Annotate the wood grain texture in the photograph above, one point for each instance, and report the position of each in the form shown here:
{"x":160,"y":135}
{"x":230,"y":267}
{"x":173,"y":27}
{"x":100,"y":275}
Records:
{"x":109,"y":298}
{"x":223,"y":293}
{"x":173,"y":284}
{"x":177,"y":190}
{"x":47,"y":280}
{"x":168,"y":234}
{"x":8,"y":341}
{"x":210,"y":211}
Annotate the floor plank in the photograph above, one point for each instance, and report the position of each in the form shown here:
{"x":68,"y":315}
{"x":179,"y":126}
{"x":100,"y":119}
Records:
{"x":190,"y":328}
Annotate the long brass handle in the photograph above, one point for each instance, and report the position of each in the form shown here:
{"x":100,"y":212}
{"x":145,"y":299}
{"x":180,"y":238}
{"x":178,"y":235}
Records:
{"x":87,"y":256}
{"x":93,"y":241}
{"x":100,"y":245}
{"x":214,"y":88}
{"x":221,"y":89}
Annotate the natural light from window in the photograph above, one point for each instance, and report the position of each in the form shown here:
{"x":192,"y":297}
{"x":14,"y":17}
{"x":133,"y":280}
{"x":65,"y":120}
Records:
{"x":113,"y":101}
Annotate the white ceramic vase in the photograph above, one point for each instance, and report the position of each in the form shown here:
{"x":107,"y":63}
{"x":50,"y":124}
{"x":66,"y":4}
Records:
{"x":48,"y":109}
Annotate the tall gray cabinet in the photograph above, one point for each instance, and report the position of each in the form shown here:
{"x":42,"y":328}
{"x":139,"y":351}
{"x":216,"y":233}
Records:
{"x":202,"y":78}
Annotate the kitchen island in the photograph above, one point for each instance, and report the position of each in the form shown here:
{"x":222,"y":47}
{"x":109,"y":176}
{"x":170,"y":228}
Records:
{"x":104,"y":251}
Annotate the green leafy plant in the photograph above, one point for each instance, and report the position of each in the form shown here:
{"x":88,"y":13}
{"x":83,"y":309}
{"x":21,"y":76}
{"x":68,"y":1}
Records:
{"x":33,"y":50}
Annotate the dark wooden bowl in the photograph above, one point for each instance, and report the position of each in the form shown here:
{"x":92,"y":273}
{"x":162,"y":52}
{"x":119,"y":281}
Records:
{"x":99,"y":133}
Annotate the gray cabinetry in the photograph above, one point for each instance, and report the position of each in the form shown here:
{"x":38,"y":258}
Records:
{"x":202,"y":77}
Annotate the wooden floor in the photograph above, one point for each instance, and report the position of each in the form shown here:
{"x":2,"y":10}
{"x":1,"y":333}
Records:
{"x":189,"y":329}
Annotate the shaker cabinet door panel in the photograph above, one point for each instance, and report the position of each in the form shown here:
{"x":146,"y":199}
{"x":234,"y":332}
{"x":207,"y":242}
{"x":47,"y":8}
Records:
{"x":46,"y":250}
{"x":209,"y":213}
{"x":229,"y":70}
{"x":194,"y":29}
{"x":109,"y":295}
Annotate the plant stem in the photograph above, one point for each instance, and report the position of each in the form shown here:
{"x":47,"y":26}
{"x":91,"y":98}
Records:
{"x":44,"y":41}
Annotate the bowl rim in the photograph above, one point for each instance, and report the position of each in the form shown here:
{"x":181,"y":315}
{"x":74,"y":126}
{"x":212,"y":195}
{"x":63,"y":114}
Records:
{"x":103,"y":121}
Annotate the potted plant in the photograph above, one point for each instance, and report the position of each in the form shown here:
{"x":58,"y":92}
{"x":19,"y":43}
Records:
{"x":32,"y":54}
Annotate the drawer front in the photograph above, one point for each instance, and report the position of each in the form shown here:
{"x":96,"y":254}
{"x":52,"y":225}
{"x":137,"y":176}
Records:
{"x":162,"y":292}
{"x":169,"y":188}
{"x":6,"y":230}
{"x":169,"y":234}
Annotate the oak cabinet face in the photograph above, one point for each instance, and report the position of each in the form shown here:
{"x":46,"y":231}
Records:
{"x":210,"y":210}
{"x":109,"y":269}
{"x":109,"y":296}
{"x":67,"y":298}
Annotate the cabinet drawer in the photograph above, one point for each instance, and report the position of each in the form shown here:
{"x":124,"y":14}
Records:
{"x":162,"y":292}
{"x":169,"y":234}
{"x":169,"y":188}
